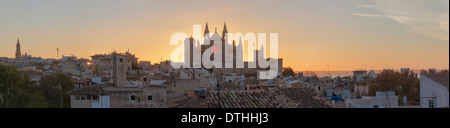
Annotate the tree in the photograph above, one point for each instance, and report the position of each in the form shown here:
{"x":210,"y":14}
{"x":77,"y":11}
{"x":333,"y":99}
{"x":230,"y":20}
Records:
{"x":288,"y":71}
{"x":403,"y":84}
{"x":50,"y":86}
{"x":423,"y":71}
{"x":17,"y":91}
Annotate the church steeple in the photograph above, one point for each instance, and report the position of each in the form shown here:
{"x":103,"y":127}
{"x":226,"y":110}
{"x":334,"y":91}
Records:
{"x":206,"y":29}
{"x":18,"y":53}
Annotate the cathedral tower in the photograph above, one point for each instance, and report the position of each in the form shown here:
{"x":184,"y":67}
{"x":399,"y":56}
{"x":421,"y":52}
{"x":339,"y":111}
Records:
{"x":18,"y":53}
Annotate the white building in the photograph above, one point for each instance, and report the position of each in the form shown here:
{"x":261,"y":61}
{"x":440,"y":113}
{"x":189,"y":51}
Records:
{"x":434,"y":90}
{"x":381,"y":100}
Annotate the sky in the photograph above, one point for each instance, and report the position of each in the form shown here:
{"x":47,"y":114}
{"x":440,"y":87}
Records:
{"x":313,"y":34}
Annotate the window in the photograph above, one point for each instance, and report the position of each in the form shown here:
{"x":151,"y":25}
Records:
{"x":77,"y":97}
{"x":133,"y":97}
{"x":431,"y":103}
{"x":83,"y":97}
{"x":95,"y":97}
{"x":145,"y":79}
{"x":89,"y":97}
{"x":121,"y":60}
{"x":150,"y":97}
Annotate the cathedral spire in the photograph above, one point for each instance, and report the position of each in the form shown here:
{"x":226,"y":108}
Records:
{"x":206,"y":29}
{"x":224,"y":30}
{"x":18,"y":53}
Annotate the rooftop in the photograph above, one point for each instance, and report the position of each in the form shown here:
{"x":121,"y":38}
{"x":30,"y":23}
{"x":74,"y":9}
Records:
{"x":441,"y":78}
{"x":92,"y":89}
{"x":273,"y":98}
{"x":186,"y":102}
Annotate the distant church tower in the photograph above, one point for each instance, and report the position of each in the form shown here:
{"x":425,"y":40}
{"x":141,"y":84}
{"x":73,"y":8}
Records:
{"x":18,"y":53}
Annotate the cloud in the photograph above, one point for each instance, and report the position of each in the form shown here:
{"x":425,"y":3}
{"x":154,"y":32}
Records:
{"x":444,"y":22}
{"x":419,"y":15}
{"x":369,"y":15}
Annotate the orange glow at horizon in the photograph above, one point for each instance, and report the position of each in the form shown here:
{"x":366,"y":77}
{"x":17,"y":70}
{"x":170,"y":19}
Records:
{"x":312,"y":34}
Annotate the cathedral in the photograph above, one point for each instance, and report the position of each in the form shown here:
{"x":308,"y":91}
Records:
{"x":196,"y":44}
{"x":192,"y":44}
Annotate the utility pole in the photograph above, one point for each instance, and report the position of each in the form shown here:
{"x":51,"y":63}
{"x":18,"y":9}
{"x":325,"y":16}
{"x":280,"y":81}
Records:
{"x":328,"y":69}
{"x":140,"y":98}
{"x":60,"y":88}
{"x":57,"y":53}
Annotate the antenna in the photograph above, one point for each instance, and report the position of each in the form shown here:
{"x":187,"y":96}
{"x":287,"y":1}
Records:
{"x":57,"y":53}
{"x":328,"y":69}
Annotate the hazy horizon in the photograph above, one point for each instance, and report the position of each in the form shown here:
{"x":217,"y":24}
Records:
{"x":346,"y":34}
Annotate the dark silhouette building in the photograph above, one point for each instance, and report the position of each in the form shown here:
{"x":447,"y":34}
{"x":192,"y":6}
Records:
{"x":18,"y":53}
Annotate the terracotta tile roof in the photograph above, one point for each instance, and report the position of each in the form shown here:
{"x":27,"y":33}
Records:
{"x":92,"y":89}
{"x":273,"y":98}
{"x":441,"y":78}
{"x":80,"y":81}
{"x":186,"y":102}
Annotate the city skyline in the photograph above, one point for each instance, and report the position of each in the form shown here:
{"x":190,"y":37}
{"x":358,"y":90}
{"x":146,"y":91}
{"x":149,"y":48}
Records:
{"x":346,"y":35}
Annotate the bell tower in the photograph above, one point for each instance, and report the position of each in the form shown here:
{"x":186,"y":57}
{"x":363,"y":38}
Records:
{"x":18,"y":53}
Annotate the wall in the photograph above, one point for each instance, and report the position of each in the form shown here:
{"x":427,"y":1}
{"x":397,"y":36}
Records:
{"x":180,"y":86}
{"x":79,"y":103}
{"x":103,"y":102}
{"x":119,"y":70}
{"x":122,"y":99}
{"x":429,"y":88}
{"x":370,"y":102}
{"x":361,"y":89}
